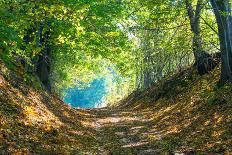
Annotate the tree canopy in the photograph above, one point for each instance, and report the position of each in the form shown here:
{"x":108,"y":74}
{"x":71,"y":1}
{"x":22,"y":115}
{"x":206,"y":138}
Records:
{"x":71,"y":42}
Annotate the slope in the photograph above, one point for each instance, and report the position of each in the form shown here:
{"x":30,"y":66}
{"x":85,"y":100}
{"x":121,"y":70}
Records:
{"x":185,"y":113}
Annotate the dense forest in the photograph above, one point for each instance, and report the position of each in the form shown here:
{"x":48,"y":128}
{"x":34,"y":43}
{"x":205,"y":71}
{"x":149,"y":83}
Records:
{"x":142,"y":41}
{"x":150,"y":54}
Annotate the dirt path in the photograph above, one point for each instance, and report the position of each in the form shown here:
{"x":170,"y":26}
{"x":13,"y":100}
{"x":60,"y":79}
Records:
{"x":123,"y":132}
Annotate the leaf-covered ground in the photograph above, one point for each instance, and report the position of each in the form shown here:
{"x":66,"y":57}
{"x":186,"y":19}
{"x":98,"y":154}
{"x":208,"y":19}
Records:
{"x":183,"y":113}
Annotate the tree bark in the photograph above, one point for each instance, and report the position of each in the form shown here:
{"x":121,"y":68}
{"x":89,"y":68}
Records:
{"x":203,"y":61}
{"x":42,"y":60}
{"x":43,"y":64}
{"x":194,"y":17}
{"x":222,"y":11}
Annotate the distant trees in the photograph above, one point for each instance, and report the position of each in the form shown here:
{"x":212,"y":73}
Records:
{"x":143,"y":40}
{"x":62,"y":40}
{"x":222,"y":11}
{"x":171,"y":37}
{"x":167,"y":29}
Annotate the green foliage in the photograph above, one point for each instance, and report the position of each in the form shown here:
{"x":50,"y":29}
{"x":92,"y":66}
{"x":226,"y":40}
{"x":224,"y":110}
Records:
{"x":84,"y":36}
{"x":141,"y":41}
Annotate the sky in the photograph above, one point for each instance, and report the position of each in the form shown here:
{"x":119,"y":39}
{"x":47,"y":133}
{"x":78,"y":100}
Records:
{"x":89,"y":97}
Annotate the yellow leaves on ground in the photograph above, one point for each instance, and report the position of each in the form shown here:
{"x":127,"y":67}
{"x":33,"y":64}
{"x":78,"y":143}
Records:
{"x":1,"y":81}
{"x":42,"y":117}
{"x":49,"y":125}
{"x":29,"y":110}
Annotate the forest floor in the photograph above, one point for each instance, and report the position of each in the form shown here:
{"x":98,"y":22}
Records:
{"x":184,"y":113}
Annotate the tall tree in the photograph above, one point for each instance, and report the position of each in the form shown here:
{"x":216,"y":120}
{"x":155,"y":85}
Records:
{"x":194,"y":17}
{"x":203,"y":60}
{"x":222,"y":11}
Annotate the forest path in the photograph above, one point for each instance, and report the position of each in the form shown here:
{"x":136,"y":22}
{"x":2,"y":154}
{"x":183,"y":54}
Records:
{"x":124,"y":131}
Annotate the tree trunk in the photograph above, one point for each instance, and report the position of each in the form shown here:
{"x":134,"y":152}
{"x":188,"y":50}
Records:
{"x":194,"y":17}
{"x":43,"y":64}
{"x":42,"y":60}
{"x":203,"y":61}
{"x":222,"y":11}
